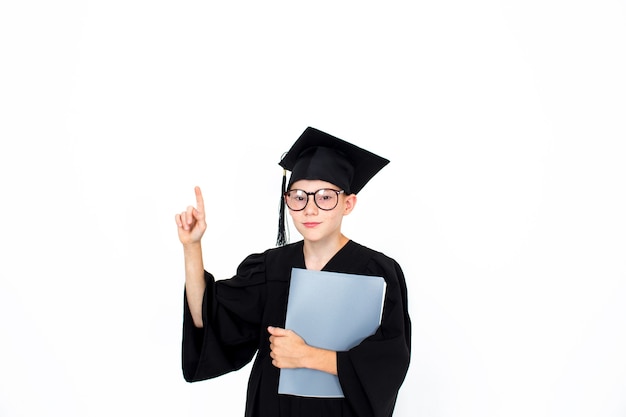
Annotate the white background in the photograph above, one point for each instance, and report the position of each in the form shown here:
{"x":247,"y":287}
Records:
{"x":504,"y":201}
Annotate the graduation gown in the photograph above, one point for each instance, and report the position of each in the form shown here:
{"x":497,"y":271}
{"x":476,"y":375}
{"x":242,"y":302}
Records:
{"x":237,"y":312}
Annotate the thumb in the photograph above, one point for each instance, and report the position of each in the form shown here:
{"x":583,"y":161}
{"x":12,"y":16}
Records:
{"x":277,"y":331}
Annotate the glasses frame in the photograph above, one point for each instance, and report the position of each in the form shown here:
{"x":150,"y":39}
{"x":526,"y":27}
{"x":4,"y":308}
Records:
{"x":314,"y":200}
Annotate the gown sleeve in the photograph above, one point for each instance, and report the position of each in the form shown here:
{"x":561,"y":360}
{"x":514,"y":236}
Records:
{"x":371,"y":373}
{"x":231,"y":313}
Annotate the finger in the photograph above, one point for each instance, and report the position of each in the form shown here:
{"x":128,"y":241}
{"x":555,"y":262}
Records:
{"x":198,"y":215}
{"x":189,"y":214}
{"x":199,"y":200}
{"x":277,"y":331}
{"x":186,"y":220}
{"x":180,"y":219}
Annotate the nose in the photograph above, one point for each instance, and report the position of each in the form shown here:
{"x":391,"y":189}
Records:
{"x":311,"y":207}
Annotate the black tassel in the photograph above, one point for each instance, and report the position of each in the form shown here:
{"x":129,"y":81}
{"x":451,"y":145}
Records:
{"x":281,"y":240}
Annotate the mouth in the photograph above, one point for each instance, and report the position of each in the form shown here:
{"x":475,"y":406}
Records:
{"x":310,"y":224}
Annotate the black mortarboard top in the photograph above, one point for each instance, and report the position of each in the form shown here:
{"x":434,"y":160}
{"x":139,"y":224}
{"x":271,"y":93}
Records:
{"x":316,"y":155}
{"x":319,"y":156}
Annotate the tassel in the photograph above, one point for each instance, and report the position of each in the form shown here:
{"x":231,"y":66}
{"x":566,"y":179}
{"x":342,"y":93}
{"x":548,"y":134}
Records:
{"x":281,"y":240}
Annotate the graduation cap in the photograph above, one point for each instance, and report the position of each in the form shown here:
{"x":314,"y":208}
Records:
{"x":316,"y":155}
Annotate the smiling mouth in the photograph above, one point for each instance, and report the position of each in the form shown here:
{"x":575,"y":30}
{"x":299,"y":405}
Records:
{"x":310,"y":224}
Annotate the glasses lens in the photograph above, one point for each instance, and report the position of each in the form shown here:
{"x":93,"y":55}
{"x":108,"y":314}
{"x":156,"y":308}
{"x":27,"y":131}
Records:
{"x":326,"y":199}
{"x":296,"y":199}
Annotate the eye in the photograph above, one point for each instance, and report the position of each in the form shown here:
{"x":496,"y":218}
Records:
{"x":324,"y":195}
{"x":297,"y":195}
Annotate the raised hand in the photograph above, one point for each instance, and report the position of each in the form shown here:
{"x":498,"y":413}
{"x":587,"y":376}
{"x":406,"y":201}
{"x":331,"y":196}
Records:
{"x":192,"y":223}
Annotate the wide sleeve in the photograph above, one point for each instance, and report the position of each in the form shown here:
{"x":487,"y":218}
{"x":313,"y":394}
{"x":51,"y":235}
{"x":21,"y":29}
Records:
{"x":371,"y":373}
{"x":231,"y":313}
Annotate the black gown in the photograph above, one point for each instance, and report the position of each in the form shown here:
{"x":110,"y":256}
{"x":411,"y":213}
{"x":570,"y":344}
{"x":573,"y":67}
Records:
{"x":237,"y":312}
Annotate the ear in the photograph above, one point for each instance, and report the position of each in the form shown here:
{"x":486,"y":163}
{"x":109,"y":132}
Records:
{"x":348,"y":204}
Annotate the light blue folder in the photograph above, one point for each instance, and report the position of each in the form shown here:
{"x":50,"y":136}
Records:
{"x":333,"y":311}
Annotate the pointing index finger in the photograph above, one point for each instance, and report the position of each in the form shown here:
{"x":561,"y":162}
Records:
{"x":199,"y":200}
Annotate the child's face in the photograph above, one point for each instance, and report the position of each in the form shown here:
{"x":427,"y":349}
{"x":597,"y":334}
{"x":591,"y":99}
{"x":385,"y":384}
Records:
{"x":315,"y":224}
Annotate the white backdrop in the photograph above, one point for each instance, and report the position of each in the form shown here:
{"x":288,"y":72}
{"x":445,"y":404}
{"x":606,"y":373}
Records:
{"x":504,"y":201}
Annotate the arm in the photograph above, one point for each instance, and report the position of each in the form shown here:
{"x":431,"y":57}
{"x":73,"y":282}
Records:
{"x":191,"y":227}
{"x":288,"y":350}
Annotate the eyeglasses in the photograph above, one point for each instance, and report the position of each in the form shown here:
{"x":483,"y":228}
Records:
{"x":325,"y":199}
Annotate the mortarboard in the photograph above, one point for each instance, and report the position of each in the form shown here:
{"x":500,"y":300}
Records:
{"x":316,"y":155}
